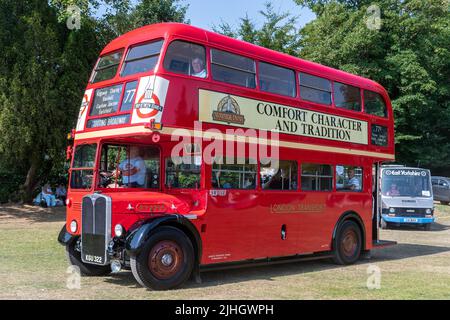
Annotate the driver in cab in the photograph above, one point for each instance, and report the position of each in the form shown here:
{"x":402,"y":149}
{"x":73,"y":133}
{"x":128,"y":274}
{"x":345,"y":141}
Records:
{"x":132,"y":169}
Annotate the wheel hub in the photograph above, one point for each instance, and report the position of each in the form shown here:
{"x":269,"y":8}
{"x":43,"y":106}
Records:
{"x":165,"y":259}
{"x":349,"y":243}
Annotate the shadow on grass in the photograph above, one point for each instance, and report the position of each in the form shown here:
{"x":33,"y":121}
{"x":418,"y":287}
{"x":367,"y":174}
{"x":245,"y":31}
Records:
{"x":270,"y":272}
{"x":32,"y":213}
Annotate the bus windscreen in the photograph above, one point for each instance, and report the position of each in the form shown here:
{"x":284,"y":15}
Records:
{"x":406,"y":183}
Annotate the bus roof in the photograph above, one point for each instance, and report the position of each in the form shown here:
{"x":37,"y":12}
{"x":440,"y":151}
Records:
{"x":167,"y":30}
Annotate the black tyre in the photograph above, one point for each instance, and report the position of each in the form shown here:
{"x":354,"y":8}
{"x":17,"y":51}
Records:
{"x":166,"y":260}
{"x":445,"y":203}
{"x":427,"y":226}
{"x":90,"y":270}
{"x":348,"y":243}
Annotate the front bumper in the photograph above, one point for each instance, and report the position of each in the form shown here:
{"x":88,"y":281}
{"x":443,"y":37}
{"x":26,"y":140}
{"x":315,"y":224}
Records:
{"x":413,"y":220}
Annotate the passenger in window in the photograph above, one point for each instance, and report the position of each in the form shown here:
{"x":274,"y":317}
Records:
{"x":133,"y":169}
{"x":393,"y":191}
{"x":278,"y":182}
{"x":198,"y":66}
{"x":352,"y":182}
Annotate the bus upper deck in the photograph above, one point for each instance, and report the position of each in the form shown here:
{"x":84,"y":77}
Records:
{"x":146,"y":78}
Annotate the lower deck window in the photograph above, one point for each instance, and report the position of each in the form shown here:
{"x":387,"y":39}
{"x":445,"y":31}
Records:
{"x":279,"y":175}
{"x":183,"y":172}
{"x":316,"y":177}
{"x":234,"y":174}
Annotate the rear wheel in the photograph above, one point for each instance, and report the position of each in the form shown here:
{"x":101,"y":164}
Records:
{"x":348,"y":243}
{"x":74,"y":258}
{"x":166,"y":260}
{"x":445,"y":203}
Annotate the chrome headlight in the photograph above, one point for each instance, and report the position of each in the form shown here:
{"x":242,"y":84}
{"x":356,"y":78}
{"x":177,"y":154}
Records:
{"x":118,"y":230}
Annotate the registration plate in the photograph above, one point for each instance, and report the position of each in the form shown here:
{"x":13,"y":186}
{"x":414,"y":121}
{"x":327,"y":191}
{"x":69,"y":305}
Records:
{"x":410,"y":220}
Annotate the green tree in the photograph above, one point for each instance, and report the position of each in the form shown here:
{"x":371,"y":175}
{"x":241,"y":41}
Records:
{"x":408,"y":52}
{"x":123,"y":16}
{"x":40,"y":88}
{"x":278,"y":31}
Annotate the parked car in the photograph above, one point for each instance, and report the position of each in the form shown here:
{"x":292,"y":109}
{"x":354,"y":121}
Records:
{"x":441,"y":189}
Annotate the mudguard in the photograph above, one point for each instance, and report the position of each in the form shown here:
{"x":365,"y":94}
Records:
{"x":65,"y":238}
{"x":139,"y":236}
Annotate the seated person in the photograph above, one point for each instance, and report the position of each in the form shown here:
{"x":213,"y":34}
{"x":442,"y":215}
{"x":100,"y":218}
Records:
{"x":48,"y":196}
{"x":352,"y":182}
{"x":278,"y":181}
{"x":393,"y":191}
{"x":133,"y":169}
{"x":198,"y":66}
{"x":61,"y":193}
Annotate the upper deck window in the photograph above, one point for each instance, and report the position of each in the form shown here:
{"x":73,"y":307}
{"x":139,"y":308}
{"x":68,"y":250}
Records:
{"x":106,"y":67}
{"x":374,"y":104}
{"x":315,"y":89}
{"x":232,"y":68}
{"x":186,"y":58}
{"x":276,"y":79}
{"x":142,"y":58}
{"x":347,"y":97}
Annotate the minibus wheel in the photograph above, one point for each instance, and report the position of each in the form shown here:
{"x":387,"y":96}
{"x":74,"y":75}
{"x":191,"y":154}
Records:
{"x":347,"y":244}
{"x":427,"y":226}
{"x":90,"y":270}
{"x":165,"y":261}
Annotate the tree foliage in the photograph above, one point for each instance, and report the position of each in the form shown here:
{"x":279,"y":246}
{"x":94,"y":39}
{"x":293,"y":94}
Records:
{"x":44,"y":68}
{"x":278,"y":31}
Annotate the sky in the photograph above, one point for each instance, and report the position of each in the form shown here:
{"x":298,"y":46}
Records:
{"x":207,"y":13}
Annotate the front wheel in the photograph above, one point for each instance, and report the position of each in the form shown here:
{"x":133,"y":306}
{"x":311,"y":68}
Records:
{"x":348,"y":243}
{"x":427,"y":226}
{"x":166,"y":260}
{"x":91,"y":270}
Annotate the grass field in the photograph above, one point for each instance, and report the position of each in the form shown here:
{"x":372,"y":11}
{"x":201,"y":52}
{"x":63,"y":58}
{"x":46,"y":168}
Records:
{"x":33,"y":266}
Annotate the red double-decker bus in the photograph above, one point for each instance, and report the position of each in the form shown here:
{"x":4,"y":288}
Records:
{"x":193,"y":150}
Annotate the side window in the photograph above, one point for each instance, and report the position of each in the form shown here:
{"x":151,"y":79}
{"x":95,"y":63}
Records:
{"x":279,"y":175}
{"x":186,"y":58}
{"x":106,"y":67}
{"x":316,"y":177}
{"x":84,"y":158}
{"x":241,"y":174}
{"x":232,"y":68}
{"x":315,"y":89}
{"x":347,"y":97}
{"x":142,"y":58}
{"x":434,"y":182}
{"x":183,"y":172}
{"x":374,"y":104}
{"x":349,"y":178}
{"x":276,"y":79}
